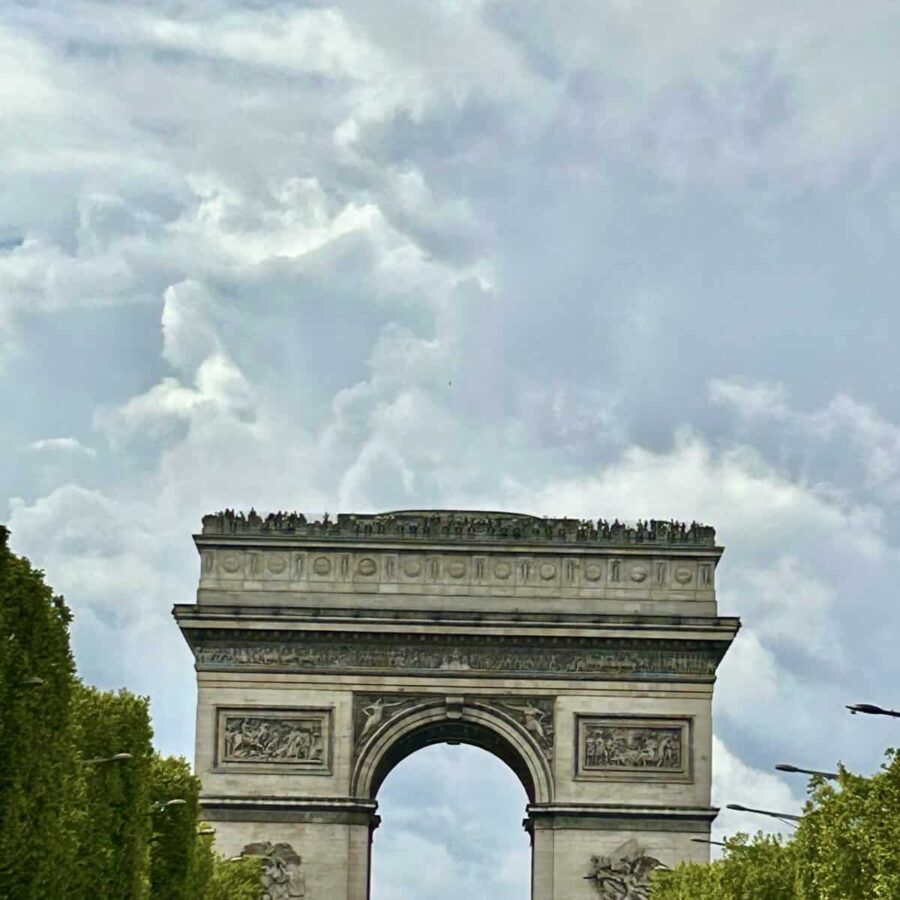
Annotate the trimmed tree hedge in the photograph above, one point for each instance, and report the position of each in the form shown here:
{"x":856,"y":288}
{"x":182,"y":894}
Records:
{"x":75,"y":823}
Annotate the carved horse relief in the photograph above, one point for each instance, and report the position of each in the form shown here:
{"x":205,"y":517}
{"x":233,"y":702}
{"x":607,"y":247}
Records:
{"x":625,"y":875}
{"x":282,"y":878}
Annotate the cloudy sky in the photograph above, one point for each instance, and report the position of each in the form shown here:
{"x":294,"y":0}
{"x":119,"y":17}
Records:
{"x":625,"y":258}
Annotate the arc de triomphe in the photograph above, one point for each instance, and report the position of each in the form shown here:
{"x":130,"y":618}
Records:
{"x":581,"y":653}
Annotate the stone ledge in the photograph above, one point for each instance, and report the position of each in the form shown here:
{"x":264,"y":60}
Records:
{"x":618,"y":817}
{"x":228,"y":614}
{"x":320,"y":810}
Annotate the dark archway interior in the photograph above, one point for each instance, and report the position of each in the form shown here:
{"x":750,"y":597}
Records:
{"x":454,"y":732}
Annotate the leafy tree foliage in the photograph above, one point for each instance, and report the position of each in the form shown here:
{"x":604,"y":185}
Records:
{"x":174,"y":845}
{"x":74,"y":822}
{"x":116,"y":833}
{"x":39,"y":772}
{"x":848,"y":844}
{"x":219,"y":878}
{"x":846,"y":847}
{"x":758,"y":868}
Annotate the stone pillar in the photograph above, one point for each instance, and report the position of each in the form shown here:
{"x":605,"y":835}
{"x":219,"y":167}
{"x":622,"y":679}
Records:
{"x":580,"y":848}
{"x":326,"y":841}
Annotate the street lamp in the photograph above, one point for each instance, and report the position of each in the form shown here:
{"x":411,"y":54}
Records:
{"x":161,"y":806}
{"x":785,"y":817}
{"x":787,"y":767}
{"x":116,"y":757}
{"x":705,"y":841}
{"x":872,"y":710}
{"x":30,"y":681}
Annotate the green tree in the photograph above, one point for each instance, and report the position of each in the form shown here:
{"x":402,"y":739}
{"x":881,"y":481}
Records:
{"x":848,"y":843}
{"x":115,"y":837}
{"x":219,"y":878}
{"x":758,"y":868}
{"x":40,"y":779}
{"x":174,"y":844}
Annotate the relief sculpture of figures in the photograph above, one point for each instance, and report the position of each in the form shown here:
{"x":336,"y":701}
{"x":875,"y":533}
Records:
{"x":376,"y":712}
{"x":625,"y":875}
{"x":252,"y":738}
{"x":608,"y":746}
{"x":538,"y":722}
{"x":282,"y":877}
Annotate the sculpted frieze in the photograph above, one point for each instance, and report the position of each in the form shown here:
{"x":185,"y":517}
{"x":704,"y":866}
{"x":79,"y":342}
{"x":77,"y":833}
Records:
{"x":640,"y":747}
{"x":272,"y":737}
{"x":565,"y":658}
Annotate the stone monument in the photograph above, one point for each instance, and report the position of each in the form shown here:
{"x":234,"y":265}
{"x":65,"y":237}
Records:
{"x":582,"y":653}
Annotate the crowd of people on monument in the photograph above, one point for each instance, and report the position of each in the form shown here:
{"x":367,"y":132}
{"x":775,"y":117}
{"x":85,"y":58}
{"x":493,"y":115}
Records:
{"x":458,"y":525}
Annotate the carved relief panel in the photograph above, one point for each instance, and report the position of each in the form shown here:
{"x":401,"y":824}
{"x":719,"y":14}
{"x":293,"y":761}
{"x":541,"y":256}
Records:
{"x":623,"y":875}
{"x":273,"y":739}
{"x":634,"y":749}
{"x":282,"y":875}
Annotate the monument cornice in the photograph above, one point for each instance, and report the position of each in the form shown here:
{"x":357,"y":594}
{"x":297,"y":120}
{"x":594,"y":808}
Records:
{"x":208,"y":615}
{"x":443,"y":545}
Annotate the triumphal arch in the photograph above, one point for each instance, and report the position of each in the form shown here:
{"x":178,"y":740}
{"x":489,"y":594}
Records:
{"x":581,"y":653}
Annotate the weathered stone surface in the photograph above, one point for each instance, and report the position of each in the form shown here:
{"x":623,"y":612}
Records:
{"x":581,"y":653}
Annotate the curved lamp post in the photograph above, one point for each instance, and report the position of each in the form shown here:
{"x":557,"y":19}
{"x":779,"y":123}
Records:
{"x":872,"y":710}
{"x":787,"y":767}
{"x":161,"y":806}
{"x":789,"y":818}
{"x":116,"y":757}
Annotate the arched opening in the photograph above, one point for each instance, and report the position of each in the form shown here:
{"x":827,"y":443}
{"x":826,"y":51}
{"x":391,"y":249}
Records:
{"x":498,"y":764}
{"x":451,"y":827}
{"x":453,"y":721}
{"x":449,"y":731}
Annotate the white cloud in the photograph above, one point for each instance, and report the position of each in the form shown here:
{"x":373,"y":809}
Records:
{"x":63,"y":445}
{"x":219,"y":391}
{"x":480,"y":254}
{"x":736,"y":782}
{"x":843,"y":419}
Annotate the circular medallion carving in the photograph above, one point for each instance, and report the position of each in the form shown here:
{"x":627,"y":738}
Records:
{"x":639,"y":573}
{"x":683,"y":575}
{"x":276,"y":564}
{"x":503,"y":570}
{"x":322,"y":565}
{"x":366,"y":567}
{"x":548,"y":571}
{"x":231,"y":562}
{"x":457,"y":569}
{"x":592,"y":572}
{"x":412,"y":568}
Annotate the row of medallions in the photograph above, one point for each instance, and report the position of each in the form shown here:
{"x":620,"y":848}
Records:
{"x":418,"y":568}
{"x":644,"y":748}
